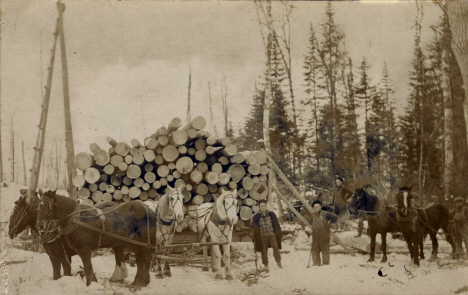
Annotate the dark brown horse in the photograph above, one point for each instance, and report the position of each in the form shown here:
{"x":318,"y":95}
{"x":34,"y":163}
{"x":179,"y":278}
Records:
{"x":381,"y":218}
{"x":24,"y":215}
{"x":416,"y":223}
{"x":133,"y":220}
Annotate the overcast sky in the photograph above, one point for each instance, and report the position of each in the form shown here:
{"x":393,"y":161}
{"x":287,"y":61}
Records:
{"x":128,"y":62}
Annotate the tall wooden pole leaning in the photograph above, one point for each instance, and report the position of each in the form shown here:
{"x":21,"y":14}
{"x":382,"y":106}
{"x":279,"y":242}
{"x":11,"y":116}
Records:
{"x":38,"y":149}
{"x":24,"y":166}
{"x":188,"y":118}
{"x":71,"y":171}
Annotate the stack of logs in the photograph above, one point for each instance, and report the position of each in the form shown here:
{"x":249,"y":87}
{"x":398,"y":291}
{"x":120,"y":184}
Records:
{"x":177,"y":156}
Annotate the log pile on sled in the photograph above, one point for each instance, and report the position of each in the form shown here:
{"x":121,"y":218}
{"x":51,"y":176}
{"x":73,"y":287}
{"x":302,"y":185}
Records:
{"x":173,"y":155}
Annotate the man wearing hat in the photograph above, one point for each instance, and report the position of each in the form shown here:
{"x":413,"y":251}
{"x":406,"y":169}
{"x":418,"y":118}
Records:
{"x":341,"y":195}
{"x":460,"y":218}
{"x":321,"y":233}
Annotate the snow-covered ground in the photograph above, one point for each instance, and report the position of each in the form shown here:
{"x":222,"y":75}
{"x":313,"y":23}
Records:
{"x":31,"y":273}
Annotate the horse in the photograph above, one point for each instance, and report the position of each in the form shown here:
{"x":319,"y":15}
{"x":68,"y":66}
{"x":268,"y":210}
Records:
{"x":380,"y":217}
{"x":168,"y":213}
{"x":216,"y":221}
{"x":416,"y":223}
{"x":81,"y":226}
{"x":60,"y":254}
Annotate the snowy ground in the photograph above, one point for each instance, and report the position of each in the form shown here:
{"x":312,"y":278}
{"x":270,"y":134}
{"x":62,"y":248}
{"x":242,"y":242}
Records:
{"x":31,"y":273}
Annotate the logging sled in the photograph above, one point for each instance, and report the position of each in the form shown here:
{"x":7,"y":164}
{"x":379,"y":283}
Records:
{"x":179,"y":182}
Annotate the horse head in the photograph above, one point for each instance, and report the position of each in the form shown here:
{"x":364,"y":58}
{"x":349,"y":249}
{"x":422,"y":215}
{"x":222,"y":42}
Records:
{"x":46,"y":211}
{"x":226,"y":205}
{"x":405,"y":201}
{"x":358,"y":201}
{"x":175,"y":202}
{"x":24,"y":213}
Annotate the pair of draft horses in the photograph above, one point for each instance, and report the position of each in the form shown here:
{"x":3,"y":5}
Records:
{"x":68,"y":228}
{"x":414,"y":223}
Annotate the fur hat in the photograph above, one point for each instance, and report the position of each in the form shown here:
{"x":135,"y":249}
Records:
{"x":459,"y":199}
{"x":316,"y":202}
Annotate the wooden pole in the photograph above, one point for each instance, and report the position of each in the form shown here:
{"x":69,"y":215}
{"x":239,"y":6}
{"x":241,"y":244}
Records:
{"x":188,"y":119}
{"x":24,"y":166}
{"x":12,"y":152}
{"x":301,"y":218}
{"x":71,"y":171}
{"x":1,"y":155}
{"x":211,"y":111}
{"x":43,"y":121}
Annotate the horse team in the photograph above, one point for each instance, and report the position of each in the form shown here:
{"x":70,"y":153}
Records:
{"x":68,"y":228}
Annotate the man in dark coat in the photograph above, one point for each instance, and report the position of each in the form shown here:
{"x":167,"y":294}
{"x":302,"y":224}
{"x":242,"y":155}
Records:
{"x":340,"y":197}
{"x":321,"y":233}
{"x":267,"y":234}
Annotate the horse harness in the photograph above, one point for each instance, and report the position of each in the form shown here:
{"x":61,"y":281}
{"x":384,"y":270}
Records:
{"x":166,"y":236}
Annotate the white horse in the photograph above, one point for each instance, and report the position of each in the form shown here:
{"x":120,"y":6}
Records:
{"x":168,"y":213}
{"x":217,"y":221}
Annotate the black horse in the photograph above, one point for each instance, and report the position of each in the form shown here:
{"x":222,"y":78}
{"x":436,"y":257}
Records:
{"x":380,"y":217}
{"x":24,"y":215}
{"x":416,"y":223}
{"x":133,"y":220}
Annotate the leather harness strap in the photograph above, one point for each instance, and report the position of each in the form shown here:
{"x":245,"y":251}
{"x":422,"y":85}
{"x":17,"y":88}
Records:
{"x":103,"y":220}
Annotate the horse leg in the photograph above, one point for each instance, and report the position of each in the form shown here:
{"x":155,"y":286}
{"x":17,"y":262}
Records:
{"x":119,"y":274}
{"x":216,"y":261}
{"x":416,"y":243}
{"x":167,"y":268}
{"x":56,"y":266}
{"x":383,"y":236}
{"x":146,"y":266}
{"x":205,"y":255}
{"x":435,"y":246}
{"x":66,"y":264}
{"x":158,"y":274}
{"x":451,"y":240}
{"x":372,"y":246}
{"x":227,"y":261}
{"x":139,"y":262}
{"x":85,"y":254}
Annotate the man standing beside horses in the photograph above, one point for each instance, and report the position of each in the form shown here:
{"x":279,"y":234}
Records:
{"x":267,"y":234}
{"x":321,"y":233}
{"x":460,"y":218}
{"x":341,"y":195}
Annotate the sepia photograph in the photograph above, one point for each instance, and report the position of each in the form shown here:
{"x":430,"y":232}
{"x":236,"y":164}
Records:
{"x":233,"y":147}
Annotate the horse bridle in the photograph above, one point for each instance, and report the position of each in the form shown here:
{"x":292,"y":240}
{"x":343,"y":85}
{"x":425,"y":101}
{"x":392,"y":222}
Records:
{"x":230,"y":196}
{"x":22,"y":213}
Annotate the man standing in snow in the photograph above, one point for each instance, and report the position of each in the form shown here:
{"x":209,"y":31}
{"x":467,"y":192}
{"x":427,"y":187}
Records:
{"x":321,"y":233}
{"x":460,"y":219}
{"x":267,"y":234}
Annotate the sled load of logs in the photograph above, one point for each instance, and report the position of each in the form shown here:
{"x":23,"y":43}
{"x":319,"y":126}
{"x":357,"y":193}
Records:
{"x":178,"y":156}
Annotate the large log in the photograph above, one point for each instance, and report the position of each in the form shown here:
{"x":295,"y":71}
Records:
{"x":191,"y":151}
{"x":224,"y":161}
{"x":84,"y":193}
{"x":134,"y":192}
{"x":128,"y":159}
{"x":116,"y":180}
{"x":152,"y":193}
{"x":229,"y":151}
{"x":182,"y":150}
{"x":200,"y":144}
{"x":125,"y":190}
{"x":83,"y":161}
{"x":102,"y":186}
{"x":79,"y":180}
{"x":176,"y":174}
{"x":118,"y":195}
{"x":97,"y":196}
{"x":144,"y":196}
{"x":236,"y":172}
{"x":93,"y":187}
{"x":260,"y":157}
{"x":179,"y":183}
{"x":249,"y":202}
{"x":247,"y":183}
{"x":110,"y":189}
{"x":254,"y":169}
{"x":109,"y":169}
{"x":259,"y":192}
{"x":138,"y":159}
{"x":101,"y":157}
{"x":111,"y":141}
{"x":163,"y":181}
{"x":196,"y":176}
{"x":197,"y":123}
{"x":243,"y":193}
{"x":149,"y":156}
{"x":187,"y":196}
{"x":197,"y":200}
{"x":217,"y":168}
{"x":188,"y":187}
{"x":171,"y":166}
{"x":126,"y":198}
{"x":200,"y":155}
{"x":178,"y":138}
{"x":162,"y":171}
{"x":210,"y":150}
{"x":116,"y":160}
{"x":133,"y":171}
{"x":149,"y":167}
{"x":212,"y":188}
{"x":146,"y":186}
{"x":211,"y":177}
{"x":103,"y":178}
{"x":107,"y":197}
{"x":192,"y":133}
{"x":184,"y":165}
{"x":151,"y":143}
{"x":135,"y":143}
{"x":138,"y":182}
{"x":202,"y":167}
{"x":207,"y":198}
{"x":159,"y":160}
{"x":224,"y":178}
{"x":264,"y":169}
{"x":122,"y":149}
{"x":157,"y":184}
{"x":133,"y":151}
{"x":232,"y":185}
{"x":175,"y":124}
{"x":237,"y":158}
{"x":150,"y":177}
{"x":163,"y":140}
{"x":170,"y":178}
{"x":245,"y":213}
{"x":170,"y":153}
{"x":127,"y":181}
{"x":94,"y":147}
{"x":255,"y":179}
{"x":201,"y":189}
{"x":92,"y":175}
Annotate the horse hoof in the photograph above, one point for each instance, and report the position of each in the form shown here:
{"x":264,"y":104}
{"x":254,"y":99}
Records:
{"x":219,"y":277}
{"x":370,"y":260}
{"x":383,"y":260}
{"x":205,"y":269}
{"x":229,"y":277}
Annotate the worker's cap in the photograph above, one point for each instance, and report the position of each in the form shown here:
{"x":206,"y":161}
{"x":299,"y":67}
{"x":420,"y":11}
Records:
{"x":316,"y":202}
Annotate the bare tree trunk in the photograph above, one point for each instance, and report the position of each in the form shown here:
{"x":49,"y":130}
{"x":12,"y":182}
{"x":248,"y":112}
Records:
{"x":188,"y":118}
{"x":457,"y":12}
{"x":25,"y":178}
{"x":213,"y":129}
{"x":12,"y":152}
{"x":71,"y":171}
{"x":267,"y":102}
{"x":448,"y":128}
{"x":1,"y":155}
{"x":225,"y":105}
